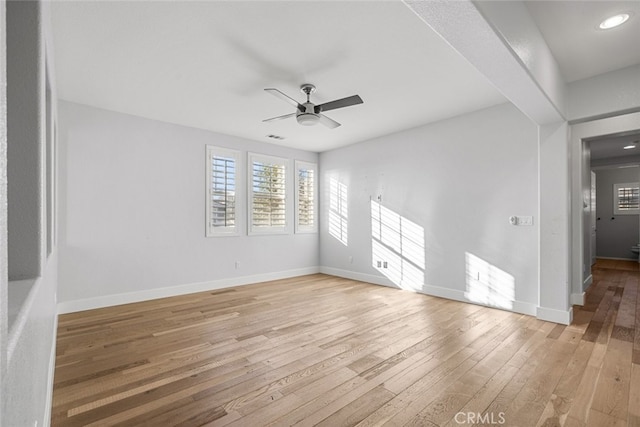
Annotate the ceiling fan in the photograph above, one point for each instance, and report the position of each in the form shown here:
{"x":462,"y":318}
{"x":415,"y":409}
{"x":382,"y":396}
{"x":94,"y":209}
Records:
{"x":308,"y":114}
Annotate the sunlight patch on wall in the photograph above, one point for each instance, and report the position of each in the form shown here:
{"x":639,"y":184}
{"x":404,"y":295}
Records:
{"x":487,"y":284}
{"x":399,"y":243}
{"x":338,"y":211}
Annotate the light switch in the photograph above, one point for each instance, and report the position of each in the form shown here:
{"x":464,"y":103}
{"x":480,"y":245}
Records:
{"x":521,"y":220}
{"x":525,"y":220}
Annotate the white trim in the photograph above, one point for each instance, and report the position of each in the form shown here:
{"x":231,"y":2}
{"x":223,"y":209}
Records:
{"x":354,"y":275}
{"x":299,"y":164}
{"x":587,"y":282}
{"x":212,"y":151}
{"x":437,"y":291}
{"x":617,"y":259}
{"x":576,"y":299}
{"x":556,"y":316}
{"x":169,"y":291}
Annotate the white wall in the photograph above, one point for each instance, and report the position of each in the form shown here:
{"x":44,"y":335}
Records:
{"x":31,"y":354}
{"x":29,"y":346}
{"x":614,"y":237}
{"x":555,"y":229}
{"x":605,"y":95}
{"x":132,"y":210}
{"x":459,"y":180}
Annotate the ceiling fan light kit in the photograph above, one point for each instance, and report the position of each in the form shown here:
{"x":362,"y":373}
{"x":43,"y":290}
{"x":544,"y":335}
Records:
{"x":309,"y":114}
{"x":307,"y":119}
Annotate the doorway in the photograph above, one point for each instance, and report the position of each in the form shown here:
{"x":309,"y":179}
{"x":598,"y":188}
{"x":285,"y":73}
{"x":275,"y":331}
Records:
{"x":582,"y":135}
{"x":614,"y":197}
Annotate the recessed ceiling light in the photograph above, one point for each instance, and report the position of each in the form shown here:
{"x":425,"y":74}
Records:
{"x":629,"y":147}
{"x":614,"y":21}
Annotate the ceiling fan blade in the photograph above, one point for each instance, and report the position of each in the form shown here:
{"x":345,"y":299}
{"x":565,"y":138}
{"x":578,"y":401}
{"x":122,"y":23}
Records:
{"x":330,"y":123}
{"x":286,"y":116}
{"x":287,"y":98}
{"x":339,"y":103}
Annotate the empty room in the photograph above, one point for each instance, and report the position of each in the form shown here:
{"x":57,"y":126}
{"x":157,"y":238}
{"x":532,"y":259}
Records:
{"x":334,"y":213}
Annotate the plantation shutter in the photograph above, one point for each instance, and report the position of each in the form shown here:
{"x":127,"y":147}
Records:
{"x":221,"y":195}
{"x":268,"y":194}
{"x":627,"y":198}
{"x":305,"y":201}
{"x":223,"y":202}
{"x":306,"y":197}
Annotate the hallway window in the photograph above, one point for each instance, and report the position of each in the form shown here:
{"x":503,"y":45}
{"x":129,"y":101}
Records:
{"x":626,"y":198}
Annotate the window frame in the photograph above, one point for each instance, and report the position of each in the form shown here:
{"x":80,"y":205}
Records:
{"x":304,"y":165}
{"x":270,"y":230}
{"x":616,"y":198}
{"x":211,"y":152}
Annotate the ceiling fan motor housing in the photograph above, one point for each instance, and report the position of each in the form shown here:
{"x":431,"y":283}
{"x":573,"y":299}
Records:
{"x":308,"y":117}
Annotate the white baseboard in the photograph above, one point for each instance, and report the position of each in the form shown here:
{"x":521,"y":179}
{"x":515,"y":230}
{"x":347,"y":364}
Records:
{"x":436,"y":291}
{"x":587,"y":282}
{"x":577,"y":299}
{"x":354,"y":275}
{"x":150,"y":294}
{"x":556,"y":316}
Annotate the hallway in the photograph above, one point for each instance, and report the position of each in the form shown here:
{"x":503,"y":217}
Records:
{"x":610,"y":386}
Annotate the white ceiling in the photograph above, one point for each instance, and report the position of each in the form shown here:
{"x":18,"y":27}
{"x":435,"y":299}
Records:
{"x":612,"y":146}
{"x":205,"y":64}
{"x":581,"y":49}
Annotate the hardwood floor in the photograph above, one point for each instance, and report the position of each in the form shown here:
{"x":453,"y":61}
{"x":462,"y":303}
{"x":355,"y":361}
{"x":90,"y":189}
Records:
{"x":320,"y":350}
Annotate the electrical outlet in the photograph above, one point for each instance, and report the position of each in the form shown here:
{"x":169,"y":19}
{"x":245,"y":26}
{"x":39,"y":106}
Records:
{"x":385,"y":264}
{"x":379,"y":263}
{"x":237,"y":265}
{"x":350,"y":260}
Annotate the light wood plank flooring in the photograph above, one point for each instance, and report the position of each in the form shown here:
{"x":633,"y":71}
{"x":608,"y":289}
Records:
{"x":320,"y":350}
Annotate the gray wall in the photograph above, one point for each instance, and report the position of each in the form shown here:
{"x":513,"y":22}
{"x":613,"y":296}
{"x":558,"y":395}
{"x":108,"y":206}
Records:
{"x":23,"y":134}
{"x":132,"y":210}
{"x":614,"y":238}
{"x":458,"y":181}
{"x":3,"y":208}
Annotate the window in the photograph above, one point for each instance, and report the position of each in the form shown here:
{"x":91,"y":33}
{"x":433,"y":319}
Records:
{"x":339,"y":211}
{"x":222,"y":167}
{"x":267,"y":194}
{"x":306,"y":216}
{"x":626,"y":198}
